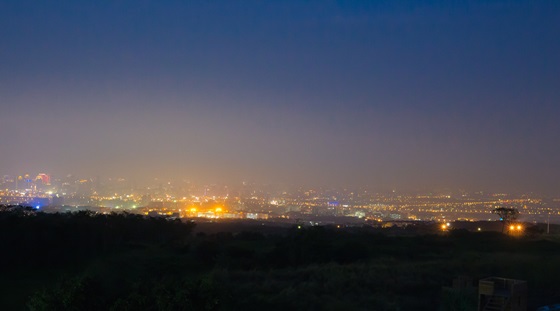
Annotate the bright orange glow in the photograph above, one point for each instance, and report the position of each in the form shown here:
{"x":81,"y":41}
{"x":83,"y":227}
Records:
{"x":518,"y":227}
{"x":512,"y":227}
{"x":193,"y":210}
{"x":444,"y":226}
{"x":218,"y":209}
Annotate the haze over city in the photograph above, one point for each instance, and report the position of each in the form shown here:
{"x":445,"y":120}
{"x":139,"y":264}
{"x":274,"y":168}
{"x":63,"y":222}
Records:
{"x":408,"y":95}
{"x":280,"y":155}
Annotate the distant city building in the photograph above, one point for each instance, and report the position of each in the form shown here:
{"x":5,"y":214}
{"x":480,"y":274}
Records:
{"x":43,"y":178}
{"x":257,"y":216}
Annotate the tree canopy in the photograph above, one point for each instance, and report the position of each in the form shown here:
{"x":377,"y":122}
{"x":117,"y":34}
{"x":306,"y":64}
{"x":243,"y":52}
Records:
{"x":507,"y":215}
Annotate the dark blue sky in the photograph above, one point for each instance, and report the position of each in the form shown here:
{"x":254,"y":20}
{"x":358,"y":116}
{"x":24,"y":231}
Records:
{"x":405,"y":94}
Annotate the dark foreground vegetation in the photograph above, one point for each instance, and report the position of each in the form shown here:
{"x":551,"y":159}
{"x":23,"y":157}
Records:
{"x":87,"y":261}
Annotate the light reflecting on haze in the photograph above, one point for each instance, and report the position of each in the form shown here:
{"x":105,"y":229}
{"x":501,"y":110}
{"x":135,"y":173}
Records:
{"x":410,"y":95}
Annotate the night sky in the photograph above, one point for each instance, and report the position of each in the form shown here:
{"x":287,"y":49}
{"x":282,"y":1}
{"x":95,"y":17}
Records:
{"x":396,"y":94}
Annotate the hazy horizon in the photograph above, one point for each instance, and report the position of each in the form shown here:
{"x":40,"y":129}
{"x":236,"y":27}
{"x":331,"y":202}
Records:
{"x":401,"y":95}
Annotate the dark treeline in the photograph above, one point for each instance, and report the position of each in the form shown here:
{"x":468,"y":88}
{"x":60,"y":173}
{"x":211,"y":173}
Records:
{"x":59,"y":239}
{"x":87,"y":261}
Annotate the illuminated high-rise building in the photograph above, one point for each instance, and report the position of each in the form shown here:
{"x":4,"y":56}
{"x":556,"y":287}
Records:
{"x":44,"y":179}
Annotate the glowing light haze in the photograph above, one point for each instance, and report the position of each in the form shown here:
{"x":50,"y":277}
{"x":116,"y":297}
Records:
{"x":409,"y":94}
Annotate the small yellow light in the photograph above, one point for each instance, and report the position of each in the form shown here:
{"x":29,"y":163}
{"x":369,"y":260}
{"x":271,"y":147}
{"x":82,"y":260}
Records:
{"x":518,"y":227}
{"x":511,"y":227}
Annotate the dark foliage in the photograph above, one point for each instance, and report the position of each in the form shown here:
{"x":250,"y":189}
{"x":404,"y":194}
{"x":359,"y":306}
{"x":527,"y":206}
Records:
{"x":59,"y":239}
{"x":88,"y":261}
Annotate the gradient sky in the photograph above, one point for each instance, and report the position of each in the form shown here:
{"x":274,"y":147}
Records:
{"x":394,"y":94}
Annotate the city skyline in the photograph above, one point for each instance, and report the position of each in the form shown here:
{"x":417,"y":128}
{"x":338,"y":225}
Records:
{"x":275,"y":203}
{"x":388,"y":95}
{"x":147,"y":182}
